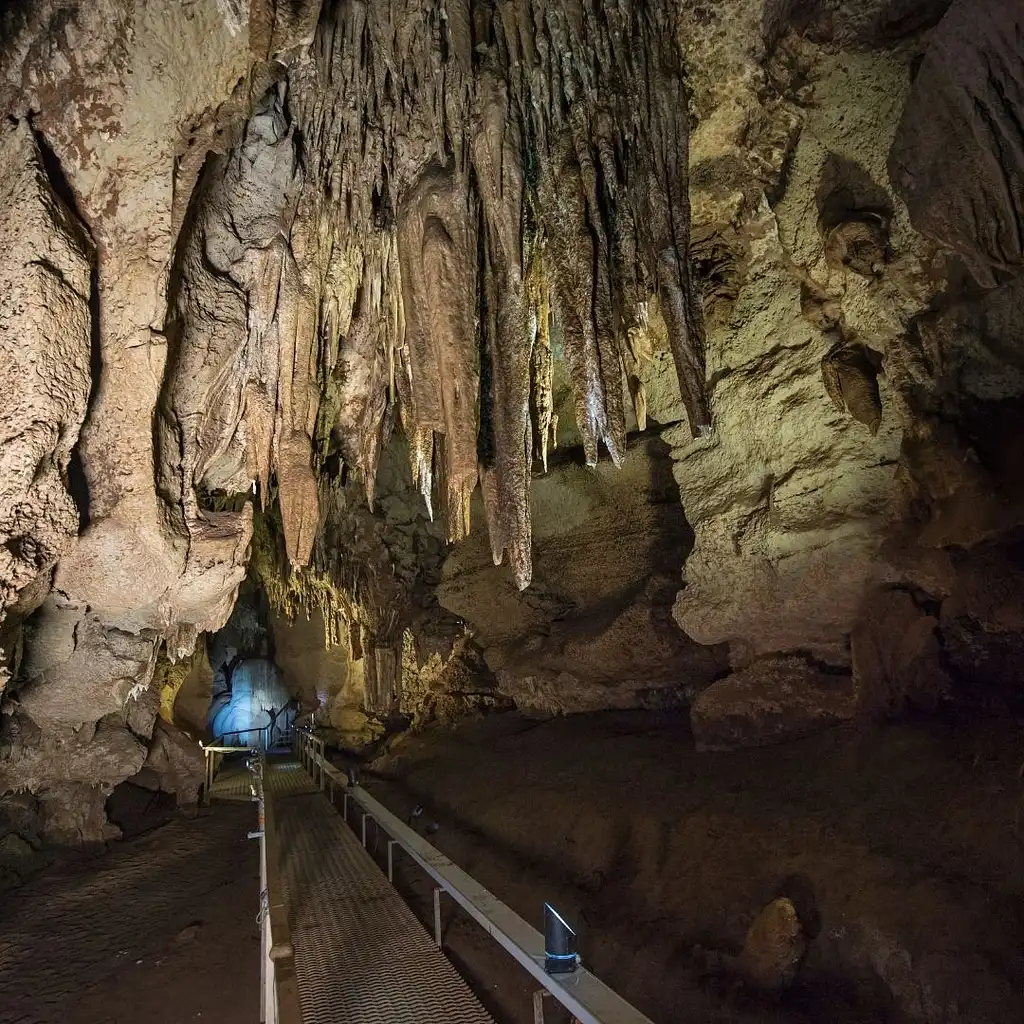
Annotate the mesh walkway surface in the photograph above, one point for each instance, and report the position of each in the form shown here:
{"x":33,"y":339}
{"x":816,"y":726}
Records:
{"x":361,"y":957}
{"x":282,"y":778}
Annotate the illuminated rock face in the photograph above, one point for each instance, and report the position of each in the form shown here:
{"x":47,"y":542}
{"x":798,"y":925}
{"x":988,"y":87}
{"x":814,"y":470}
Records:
{"x":524,"y":161}
{"x":256,"y":701}
{"x":45,"y":336}
{"x":860,"y":423}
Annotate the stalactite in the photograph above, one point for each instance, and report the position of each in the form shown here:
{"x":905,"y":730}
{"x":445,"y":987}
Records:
{"x":450,"y":152}
{"x":572,"y":256}
{"x":437,"y":249}
{"x":496,"y":159}
{"x":538,"y":297}
{"x":639,"y":350}
{"x":360,"y":380}
{"x":421,"y":455}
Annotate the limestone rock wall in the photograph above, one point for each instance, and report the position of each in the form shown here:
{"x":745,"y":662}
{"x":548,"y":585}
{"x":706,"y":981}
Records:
{"x":110,"y":110}
{"x":45,"y":374}
{"x":792,"y":498}
{"x":865,"y":380}
{"x":594,"y":630}
{"x":958,"y":159}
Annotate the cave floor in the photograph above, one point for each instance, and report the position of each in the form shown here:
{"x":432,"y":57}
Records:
{"x":160,"y":928}
{"x":900,"y":847}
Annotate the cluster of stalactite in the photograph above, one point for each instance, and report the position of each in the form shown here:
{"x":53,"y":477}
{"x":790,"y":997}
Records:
{"x":305,"y":590}
{"x":436,"y":197}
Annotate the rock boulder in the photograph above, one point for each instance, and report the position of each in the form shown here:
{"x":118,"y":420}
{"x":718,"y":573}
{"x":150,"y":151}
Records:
{"x":896,"y":654}
{"x":177,"y":761}
{"x":770,"y":701}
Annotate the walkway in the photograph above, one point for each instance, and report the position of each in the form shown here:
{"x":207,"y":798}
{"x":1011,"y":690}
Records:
{"x":361,"y":956}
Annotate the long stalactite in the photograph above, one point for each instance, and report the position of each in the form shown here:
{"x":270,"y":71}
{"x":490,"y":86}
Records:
{"x":455,"y":178}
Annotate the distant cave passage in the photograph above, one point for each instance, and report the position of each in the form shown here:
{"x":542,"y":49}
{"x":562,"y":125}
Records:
{"x":257,"y":701}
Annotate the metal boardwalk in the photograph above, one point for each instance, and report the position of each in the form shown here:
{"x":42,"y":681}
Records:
{"x":282,"y":778}
{"x":361,"y":956}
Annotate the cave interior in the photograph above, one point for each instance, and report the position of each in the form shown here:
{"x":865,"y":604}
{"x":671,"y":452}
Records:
{"x":601,"y":421}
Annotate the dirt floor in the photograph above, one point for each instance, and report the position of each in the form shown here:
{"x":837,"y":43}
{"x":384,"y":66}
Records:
{"x":901,"y":848}
{"x":158,"y":929}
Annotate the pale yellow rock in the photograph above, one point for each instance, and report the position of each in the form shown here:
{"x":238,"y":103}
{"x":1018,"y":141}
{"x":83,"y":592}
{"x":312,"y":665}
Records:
{"x":790,"y":499}
{"x":774,"y":946}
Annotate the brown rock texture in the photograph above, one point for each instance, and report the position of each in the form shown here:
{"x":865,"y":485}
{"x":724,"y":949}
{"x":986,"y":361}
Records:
{"x":791,"y":499}
{"x":774,"y":947}
{"x":178,"y":762}
{"x":896,"y":656}
{"x":769,"y":701}
{"x":594,"y":629}
{"x":74,"y":814}
{"x":958,"y":157}
{"x":45,"y":377}
{"x":264,"y":253}
{"x":105,"y":101}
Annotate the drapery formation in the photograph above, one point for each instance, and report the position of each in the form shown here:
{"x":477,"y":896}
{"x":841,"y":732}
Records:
{"x":427,"y":201}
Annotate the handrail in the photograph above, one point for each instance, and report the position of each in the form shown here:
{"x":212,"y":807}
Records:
{"x":282,"y":953}
{"x":279,"y":990}
{"x":212,"y":754}
{"x":582,"y":993}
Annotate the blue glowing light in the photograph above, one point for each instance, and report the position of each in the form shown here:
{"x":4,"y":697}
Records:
{"x":240,"y":717}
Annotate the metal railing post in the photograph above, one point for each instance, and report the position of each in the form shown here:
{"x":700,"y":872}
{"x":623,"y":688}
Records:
{"x":437,"y":916}
{"x":391,"y":860}
{"x":538,"y":1005}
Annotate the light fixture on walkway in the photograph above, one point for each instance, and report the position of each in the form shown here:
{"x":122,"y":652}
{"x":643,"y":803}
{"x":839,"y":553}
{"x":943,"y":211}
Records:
{"x":560,"y":956}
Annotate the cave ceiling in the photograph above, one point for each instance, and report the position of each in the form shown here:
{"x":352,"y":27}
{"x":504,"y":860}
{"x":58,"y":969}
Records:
{"x":404,"y":216}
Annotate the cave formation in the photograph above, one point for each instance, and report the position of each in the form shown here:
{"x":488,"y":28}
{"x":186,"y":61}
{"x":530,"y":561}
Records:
{"x":436,"y":359}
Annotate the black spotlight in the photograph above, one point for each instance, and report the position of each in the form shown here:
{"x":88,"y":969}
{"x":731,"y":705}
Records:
{"x":559,"y":943}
